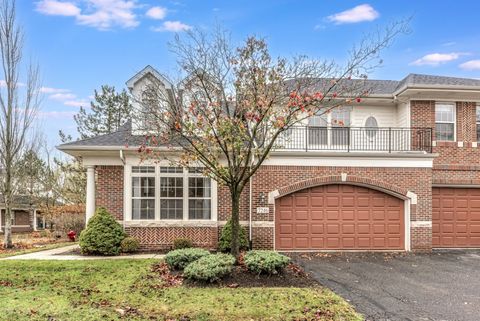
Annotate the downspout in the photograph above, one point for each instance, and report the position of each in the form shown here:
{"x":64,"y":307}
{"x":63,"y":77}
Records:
{"x":122,"y":158}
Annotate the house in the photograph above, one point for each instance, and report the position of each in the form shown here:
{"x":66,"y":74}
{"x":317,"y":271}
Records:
{"x":402,"y":174}
{"x":24,"y":215}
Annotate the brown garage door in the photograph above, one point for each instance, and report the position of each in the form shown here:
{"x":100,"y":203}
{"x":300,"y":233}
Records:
{"x":456,"y":217}
{"x":339,"y":217}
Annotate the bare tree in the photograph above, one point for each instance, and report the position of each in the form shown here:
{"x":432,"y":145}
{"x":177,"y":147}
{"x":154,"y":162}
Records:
{"x":236,"y":104}
{"x":19,"y":103}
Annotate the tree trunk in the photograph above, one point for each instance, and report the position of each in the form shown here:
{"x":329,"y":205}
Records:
{"x":235,"y":245}
{"x":8,"y":243}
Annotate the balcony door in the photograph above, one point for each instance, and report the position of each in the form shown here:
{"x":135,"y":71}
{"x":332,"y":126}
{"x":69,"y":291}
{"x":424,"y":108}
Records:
{"x":329,"y":130}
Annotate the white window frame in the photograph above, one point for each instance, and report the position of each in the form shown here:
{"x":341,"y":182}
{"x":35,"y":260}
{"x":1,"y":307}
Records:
{"x":454,"y":122}
{"x":330,"y":125}
{"x":128,"y":203}
{"x":477,"y":121}
{"x":151,"y":174}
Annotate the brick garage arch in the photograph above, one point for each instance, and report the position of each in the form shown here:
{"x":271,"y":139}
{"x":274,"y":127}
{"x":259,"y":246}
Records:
{"x":341,"y":179}
{"x":402,"y":194}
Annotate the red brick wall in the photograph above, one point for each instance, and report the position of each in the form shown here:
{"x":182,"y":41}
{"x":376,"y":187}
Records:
{"x":159,"y":238}
{"x":269,"y":178}
{"x":423,"y":115}
{"x":109,"y":189}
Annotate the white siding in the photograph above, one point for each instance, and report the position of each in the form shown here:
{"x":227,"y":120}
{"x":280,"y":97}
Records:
{"x":386,"y":115}
{"x":403,"y":115}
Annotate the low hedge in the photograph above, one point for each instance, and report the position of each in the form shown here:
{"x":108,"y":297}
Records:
{"x":267,"y":262}
{"x":210,"y":268}
{"x":179,"y":259}
{"x":182,"y":243}
{"x":130,"y":245}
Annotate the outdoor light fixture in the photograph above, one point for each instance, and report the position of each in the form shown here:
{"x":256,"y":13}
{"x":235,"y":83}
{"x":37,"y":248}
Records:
{"x":261,"y":198}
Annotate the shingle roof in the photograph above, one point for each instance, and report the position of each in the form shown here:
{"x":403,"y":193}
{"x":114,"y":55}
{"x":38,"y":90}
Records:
{"x":418,"y":79}
{"x":122,"y":137}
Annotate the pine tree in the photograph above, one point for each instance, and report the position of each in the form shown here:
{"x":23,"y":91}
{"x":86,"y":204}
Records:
{"x":109,"y":111}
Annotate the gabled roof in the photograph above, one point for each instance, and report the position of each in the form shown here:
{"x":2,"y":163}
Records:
{"x":144,"y":72}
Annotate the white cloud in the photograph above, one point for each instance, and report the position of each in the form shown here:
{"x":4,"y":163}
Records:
{"x":363,"y":12}
{"x":76,"y":103}
{"x":100,"y":14}
{"x":57,"y":8}
{"x":174,"y":26}
{"x":435,"y":59}
{"x":50,"y":90}
{"x":471,"y":65}
{"x":157,"y":13}
{"x":62,"y":96}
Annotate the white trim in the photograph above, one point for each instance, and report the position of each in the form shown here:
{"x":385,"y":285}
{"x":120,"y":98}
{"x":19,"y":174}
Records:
{"x":421,"y":223}
{"x":127,"y":194}
{"x":460,"y":144}
{"x":412,"y":196}
{"x":407,"y":223}
{"x":90,"y":197}
{"x":272,"y":196}
{"x":344,"y":177}
{"x":254,"y":223}
{"x":34,"y":219}
{"x":171,"y":223}
{"x":474,"y":144}
{"x":454,"y":105}
{"x":308,"y":160}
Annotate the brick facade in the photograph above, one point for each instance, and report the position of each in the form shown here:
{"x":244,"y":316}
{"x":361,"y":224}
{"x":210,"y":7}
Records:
{"x":109,"y":189}
{"x":456,"y":164}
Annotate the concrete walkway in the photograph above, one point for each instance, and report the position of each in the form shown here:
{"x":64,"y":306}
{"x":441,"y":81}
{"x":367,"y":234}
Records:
{"x":65,"y":253}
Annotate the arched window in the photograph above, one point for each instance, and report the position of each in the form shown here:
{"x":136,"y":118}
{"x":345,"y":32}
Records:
{"x":371,"y":127}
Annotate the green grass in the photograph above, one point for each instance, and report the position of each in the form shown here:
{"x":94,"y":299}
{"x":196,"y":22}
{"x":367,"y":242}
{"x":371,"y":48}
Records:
{"x":95,"y":290}
{"x":15,"y":252}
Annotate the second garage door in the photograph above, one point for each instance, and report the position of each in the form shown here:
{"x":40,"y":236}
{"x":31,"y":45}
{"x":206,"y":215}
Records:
{"x":339,"y":217}
{"x":455,"y":217}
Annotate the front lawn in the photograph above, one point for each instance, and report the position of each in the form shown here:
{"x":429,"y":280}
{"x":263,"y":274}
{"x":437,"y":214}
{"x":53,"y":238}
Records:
{"x":129,"y":290}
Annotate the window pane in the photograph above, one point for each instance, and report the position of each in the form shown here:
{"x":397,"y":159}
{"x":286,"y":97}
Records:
{"x":199,"y":187}
{"x":171,"y":209}
{"x":199,"y":209}
{"x":444,"y":113}
{"x":341,"y":117}
{"x":317,"y":136}
{"x":171,"y":169}
{"x":171,"y":187}
{"x":478,"y":114}
{"x":143,"y":169}
{"x":444,"y":131}
{"x":143,"y":209}
{"x":143,"y":186}
{"x":478,"y":132}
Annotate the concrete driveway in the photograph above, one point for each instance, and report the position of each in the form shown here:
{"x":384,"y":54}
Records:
{"x":436,"y":286}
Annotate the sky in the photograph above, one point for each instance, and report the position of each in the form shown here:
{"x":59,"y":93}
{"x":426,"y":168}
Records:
{"x":82,"y":44}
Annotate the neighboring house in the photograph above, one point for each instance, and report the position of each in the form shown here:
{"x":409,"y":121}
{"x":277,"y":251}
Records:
{"x":402,"y":173}
{"x":24,"y":215}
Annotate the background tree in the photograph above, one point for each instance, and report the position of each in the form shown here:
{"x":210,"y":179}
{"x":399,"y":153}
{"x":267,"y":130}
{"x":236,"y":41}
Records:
{"x":18,"y":107}
{"x":235,"y":103}
{"x":108,"y":112}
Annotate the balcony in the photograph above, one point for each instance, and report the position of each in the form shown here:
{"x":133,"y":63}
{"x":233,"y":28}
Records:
{"x":356,"y":139}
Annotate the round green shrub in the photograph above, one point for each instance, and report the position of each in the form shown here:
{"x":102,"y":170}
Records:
{"x":268,"y":262}
{"x":103,"y":234}
{"x":129,"y":245}
{"x":210,"y":268}
{"x":179,"y":259}
{"x":182,"y":243}
{"x":224,"y":244}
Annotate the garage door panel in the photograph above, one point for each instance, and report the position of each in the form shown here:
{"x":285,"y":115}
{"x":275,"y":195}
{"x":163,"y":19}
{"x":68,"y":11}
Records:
{"x":341,"y":217}
{"x":456,"y":217}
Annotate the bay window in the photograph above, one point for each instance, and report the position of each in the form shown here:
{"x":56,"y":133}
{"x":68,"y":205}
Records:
{"x":170,"y":193}
{"x":445,"y":122}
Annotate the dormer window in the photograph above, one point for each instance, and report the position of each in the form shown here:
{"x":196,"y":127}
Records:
{"x":445,"y":122}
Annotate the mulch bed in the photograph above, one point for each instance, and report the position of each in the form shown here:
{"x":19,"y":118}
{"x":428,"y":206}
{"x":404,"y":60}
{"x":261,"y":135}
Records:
{"x":292,"y":276}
